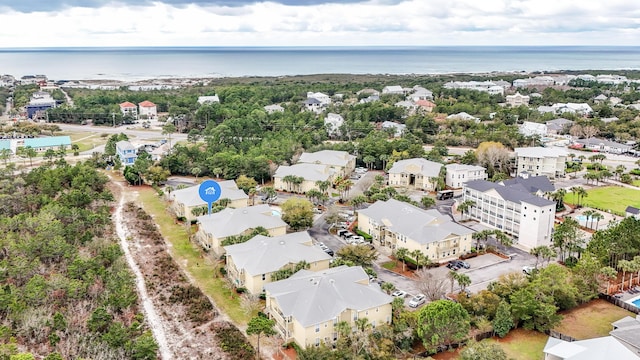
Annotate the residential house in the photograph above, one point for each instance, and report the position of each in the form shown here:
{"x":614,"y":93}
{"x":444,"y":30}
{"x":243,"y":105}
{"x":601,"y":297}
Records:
{"x":310,"y":174}
{"x":369,"y":99}
{"x":572,"y":108}
{"x":599,"y":348}
{"x":211,"y":99}
{"x":323,"y":98}
{"x":516,"y":212}
{"x":215,"y":228}
{"x":517,"y":99}
{"x":314,"y":105}
{"x":393,"y":90}
{"x":408,"y":106}
{"x":463,"y":116}
{"x":160,"y":151}
{"x":252,"y":264}
{"x":148,"y":110}
{"x":7,"y":80}
{"x":274,"y":108}
{"x":39,"y":103}
{"x":558,"y":126}
{"x":420,"y":93}
{"x":398,"y":224}
{"x":426,"y":105}
{"x":126,"y":152}
{"x":333,"y":122}
{"x":604,"y":145}
{"x":600,"y":98}
{"x":631,"y":211}
{"x":341,"y":162}
{"x":547,"y":161}
{"x":129,"y":110}
{"x":614,"y":100}
{"x":458,"y":174}
{"x":308,"y":306}
{"x":485,"y":86}
{"x":417,"y":173}
{"x":187,"y":199}
{"x":626,"y":331}
{"x":529,"y":128}
{"x":368,"y":91}
{"x":395,"y":128}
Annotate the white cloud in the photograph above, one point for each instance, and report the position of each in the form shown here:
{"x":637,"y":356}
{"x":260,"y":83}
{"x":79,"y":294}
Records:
{"x":376,"y":22}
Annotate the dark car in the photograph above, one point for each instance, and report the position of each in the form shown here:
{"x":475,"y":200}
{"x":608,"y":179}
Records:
{"x":329,"y":251}
{"x":453,"y":266}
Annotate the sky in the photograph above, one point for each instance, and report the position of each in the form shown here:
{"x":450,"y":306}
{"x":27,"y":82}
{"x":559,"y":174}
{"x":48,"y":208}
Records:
{"x":81,"y":23}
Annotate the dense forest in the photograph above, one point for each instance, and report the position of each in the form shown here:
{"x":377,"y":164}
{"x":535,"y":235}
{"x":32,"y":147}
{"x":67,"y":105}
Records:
{"x":66,"y":291}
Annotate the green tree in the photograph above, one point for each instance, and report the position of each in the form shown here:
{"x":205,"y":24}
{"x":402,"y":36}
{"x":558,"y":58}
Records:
{"x":144,"y":347}
{"x":157,"y":175}
{"x":260,"y":325}
{"x":503,"y":322}
{"x":427,"y":202}
{"x":483,"y":350}
{"x":442,"y":322}
{"x":246,"y":183}
{"x":469,"y":158}
{"x":359,"y":255}
{"x":402,"y":253}
{"x":168,"y":129}
{"x":297,"y":213}
{"x":5,"y":155}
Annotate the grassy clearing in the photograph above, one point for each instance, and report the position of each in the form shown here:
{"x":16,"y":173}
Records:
{"x":636,"y":183}
{"x":192,"y":259}
{"x":591,"y":320}
{"x":614,"y":198}
{"x":523,"y":344}
{"x":389,"y":265}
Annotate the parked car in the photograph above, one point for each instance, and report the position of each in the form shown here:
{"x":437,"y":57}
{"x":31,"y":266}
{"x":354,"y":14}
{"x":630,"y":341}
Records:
{"x":528,"y":269}
{"x":399,"y":293}
{"x":356,"y":239}
{"x":417,"y":300}
{"x":453,"y":266}
{"x":461,"y":263}
{"x":347,"y":234}
{"x":341,"y":232}
{"x":329,"y":251}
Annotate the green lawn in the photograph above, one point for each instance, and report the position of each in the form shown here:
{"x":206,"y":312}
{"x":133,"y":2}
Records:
{"x":614,"y":198}
{"x":591,"y":320}
{"x":523,"y":344}
{"x":389,"y":265}
{"x":636,"y":183}
{"x":191,"y":258}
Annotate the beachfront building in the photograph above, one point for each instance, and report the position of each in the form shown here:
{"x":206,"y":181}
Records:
{"x":215,"y":228}
{"x":420,"y":93}
{"x":187,"y":199}
{"x":313,"y":105}
{"x":393,"y":90}
{"x":333,"y":122}
{"x":341,"y":162}
{"x":516,"y":212}
{"x":129,"y":109}
{"x":517,"y":99}
{"x":301,"y":178}
{"x":416,"y":173}
{"x":547,"y":161}
{"x":148,"y":110}
{"x":397,"y":224}
{"x":308,"y":306}
{"x":126,"y":152}
{"x":490,"y":87}
{"x":257,"y":262}
{"x":535,"y":185}
{"x":324,"y":99}
{"x":458,"y":174}
{"x":273,"y":108}
{"x":543,"y":81}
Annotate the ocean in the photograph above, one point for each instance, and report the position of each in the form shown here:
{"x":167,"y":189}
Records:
{"x":132,"y":64}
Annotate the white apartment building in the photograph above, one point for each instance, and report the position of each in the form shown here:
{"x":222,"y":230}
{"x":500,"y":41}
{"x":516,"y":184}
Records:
{"x":517,"y":99}
{"x":526,"y":217}
{"x":541,"y":161}
{"x":458,"y":174}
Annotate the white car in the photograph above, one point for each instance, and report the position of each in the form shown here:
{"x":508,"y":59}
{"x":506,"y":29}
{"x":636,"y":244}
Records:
{"x":528,"y":269}
{"x":357,"y":239}
{"x":417,"y":300}
{"x":399,"y":294}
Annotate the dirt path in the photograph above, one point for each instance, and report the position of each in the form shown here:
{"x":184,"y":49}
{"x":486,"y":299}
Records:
{"x":155,"y":322}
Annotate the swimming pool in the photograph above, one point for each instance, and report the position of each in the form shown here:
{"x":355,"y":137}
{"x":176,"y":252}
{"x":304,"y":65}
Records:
{"x":636,"y":302}
{"x":583,"y":218}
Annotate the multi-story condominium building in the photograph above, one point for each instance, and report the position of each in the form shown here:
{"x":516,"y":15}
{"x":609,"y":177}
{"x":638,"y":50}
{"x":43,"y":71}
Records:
{"x":512,"y":209}
{"x":129,"y":109}
{"x":308,"y":306}
{"x":309,"y":173}
{"x":187,"y":199}
{"x":550,"y":162}
{"x":252,"y":264}
{"x":517,"y":99}
{"x":341,"y":162}
{"x":397,"y":224}
{"x":458,"y":174}
{"x":215,"y":228}
{"x":415,"y":173}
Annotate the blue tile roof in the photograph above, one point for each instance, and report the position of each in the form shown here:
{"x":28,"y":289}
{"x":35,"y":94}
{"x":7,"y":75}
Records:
{"x":48,"y":141}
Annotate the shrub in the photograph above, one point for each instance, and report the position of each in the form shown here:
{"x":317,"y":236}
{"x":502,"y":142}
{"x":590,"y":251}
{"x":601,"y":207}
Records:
{"x":571,"y":261}
{"x":364,"y":235}
{"x":232,"y":341}
{"x":241,"y":290}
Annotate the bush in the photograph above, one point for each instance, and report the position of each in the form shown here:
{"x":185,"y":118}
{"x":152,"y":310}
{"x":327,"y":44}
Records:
{"x":635,"y":172}
{"x":571,"y":261}
{"x":232,"y":341}
{"x":241,"y":290}
{"x":364,"y":235}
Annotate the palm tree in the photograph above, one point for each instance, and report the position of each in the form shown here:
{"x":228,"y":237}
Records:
{"x":609,"y":274}
{"x":401,"y":254}
{"x":452,"y":275}
{"x":597,"y":217}
{"x":582,"y":193}
{"x":481,"y":235}
{"x":384,"y":158}
{"x":358,"y":200}
{"x":323,"y":185}
{"x":466,"y":205}
{"x":625,"y":265}
{"x":463,"y":281}
{"x":558,"y":197}
{"x":417,"y":254}
{"x":588,"y":216}
{"x":574,"y":191}
{"x":620,"y":169}
{"x":503,"y":239}
{"x":288,"y":179}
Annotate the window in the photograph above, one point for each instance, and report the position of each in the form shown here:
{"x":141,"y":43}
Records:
{"x":264,"y":277}
{"x":317,"y":341}
{"x":318,"y":328}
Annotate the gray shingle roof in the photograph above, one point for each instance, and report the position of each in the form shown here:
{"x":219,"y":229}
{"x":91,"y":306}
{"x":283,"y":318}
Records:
{"x":532,"y":184}
{"x":229,"y":222}
{"x":592,"y":349}
{"x":632,"y":210}
{"x":423,"y":226}
{"x":326,"y":157}
{"x":190,"y":196}
{"x":310,"y":172}
{"x":425,"y":167}
{"x":508,"y":193}
{"x":263,"y":254}
{"x":315,"y":297}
